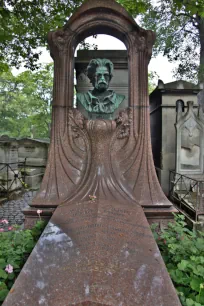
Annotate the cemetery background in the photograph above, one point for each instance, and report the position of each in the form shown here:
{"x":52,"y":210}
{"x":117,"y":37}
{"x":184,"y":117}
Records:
{"x":31,"y":131}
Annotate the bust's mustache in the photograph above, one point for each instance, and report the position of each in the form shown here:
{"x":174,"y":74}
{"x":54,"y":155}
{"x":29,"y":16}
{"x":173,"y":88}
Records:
{"x":102,"y":82}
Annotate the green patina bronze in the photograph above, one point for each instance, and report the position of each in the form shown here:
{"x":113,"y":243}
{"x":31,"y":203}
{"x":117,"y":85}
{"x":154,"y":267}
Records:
{"x":100,"y":101}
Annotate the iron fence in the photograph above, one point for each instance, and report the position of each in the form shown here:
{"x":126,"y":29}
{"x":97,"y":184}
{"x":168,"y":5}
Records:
{"x":5,"y":168}
{"x":187,"y":193}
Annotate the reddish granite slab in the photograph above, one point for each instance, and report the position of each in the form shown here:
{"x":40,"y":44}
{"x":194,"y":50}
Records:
{"x":95,"y":253}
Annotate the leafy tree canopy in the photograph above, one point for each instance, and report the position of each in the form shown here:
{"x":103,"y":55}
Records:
{"x":179,"y":25}
{"x":24,"y":25}
{"x":25,"y":103}
{"x":24,"y":28}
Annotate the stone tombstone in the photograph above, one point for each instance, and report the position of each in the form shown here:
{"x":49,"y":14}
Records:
{"x":162,"y":117}
{"x":35,"y":153}
{"x":8,"y":164}
{"x":97,"y":248}
{"x":70,"y":169}
{"x":190,"y":143}
{"x":200,"y":97}
{"x":34,"y":150}
{"x":8,"y":152}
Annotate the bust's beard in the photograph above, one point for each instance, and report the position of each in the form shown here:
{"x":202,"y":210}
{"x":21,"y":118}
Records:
{"x":101,"y":86}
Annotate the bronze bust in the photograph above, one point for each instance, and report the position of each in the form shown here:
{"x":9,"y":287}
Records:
{"x":99,"y":102}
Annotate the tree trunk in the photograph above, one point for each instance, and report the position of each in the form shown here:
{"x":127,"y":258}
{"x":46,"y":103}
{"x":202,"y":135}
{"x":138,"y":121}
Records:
{"x":201,"y":34}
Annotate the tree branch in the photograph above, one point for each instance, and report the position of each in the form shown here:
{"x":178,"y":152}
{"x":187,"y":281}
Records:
{"x":183,"y":14}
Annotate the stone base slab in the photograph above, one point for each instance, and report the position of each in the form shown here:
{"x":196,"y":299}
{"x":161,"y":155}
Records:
{"x":162,"y":216}
{"x":95,"y":252}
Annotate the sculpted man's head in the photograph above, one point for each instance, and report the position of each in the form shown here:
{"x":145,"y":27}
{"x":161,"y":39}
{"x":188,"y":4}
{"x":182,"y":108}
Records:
{"x":99,"y":71}
{"x":99,"y":102}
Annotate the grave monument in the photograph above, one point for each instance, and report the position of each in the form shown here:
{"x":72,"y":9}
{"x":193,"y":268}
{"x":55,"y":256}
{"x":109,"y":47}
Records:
{"x":97,"y":248}
{"x":189,"y":141}
{"x":163,"y":102}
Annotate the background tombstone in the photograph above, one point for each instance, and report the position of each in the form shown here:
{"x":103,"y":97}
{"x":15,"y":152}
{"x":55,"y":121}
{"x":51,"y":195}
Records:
{"x":187,"y":184}
{"x":163,"y":133}
{"x":8,"y":164}
{"x":34,"y":152}
{"x":190,"y":142}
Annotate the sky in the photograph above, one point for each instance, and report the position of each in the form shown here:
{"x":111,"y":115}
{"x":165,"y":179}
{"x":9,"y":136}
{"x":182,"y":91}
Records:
{"x":159,"y":64}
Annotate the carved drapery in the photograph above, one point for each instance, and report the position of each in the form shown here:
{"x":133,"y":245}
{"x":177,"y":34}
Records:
{"x":127,"y":171}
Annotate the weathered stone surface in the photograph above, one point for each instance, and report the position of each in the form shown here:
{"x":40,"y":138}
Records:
{"x":9,"y":164}
{"x":190,"y":143}
{"x":35,"y":152}
{"x":8,"y":153}
{"x":34,"y":181}
{"x":95,"y":253}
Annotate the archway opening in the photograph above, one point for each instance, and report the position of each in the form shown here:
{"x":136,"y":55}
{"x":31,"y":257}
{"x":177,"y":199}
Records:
{"x":102,"y":46}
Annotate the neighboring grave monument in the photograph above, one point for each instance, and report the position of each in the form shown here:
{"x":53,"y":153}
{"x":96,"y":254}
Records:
{"x":9,"y":173}
{"x":187,"y":187}
{"x":189,"y":141}
{"x":98,"y":248}
{"x":163,"y":115}
{"x":34,"y":153}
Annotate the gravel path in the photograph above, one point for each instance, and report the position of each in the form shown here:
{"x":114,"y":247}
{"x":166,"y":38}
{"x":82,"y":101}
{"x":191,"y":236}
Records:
{"x":12,"y":210}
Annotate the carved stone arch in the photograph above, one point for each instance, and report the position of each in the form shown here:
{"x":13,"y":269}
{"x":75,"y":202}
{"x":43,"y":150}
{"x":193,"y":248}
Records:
{"x":116,"y":22}
{"x":68,"y":167}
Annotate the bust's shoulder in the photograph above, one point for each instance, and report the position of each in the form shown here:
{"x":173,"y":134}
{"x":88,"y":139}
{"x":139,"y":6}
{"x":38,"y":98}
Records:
{"x":82,"y":96}
{"x":118,"y":97}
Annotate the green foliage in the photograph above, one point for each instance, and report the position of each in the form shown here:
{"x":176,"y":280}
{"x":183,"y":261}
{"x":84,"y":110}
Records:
{"x":179,"y":25}
{"x":152,"y":80}
{"x":24,"y":28}
{"x":25,"y":103}
{"x":135,"y":7}
{"x":183,"y":253}
{"x":15,"y":247}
